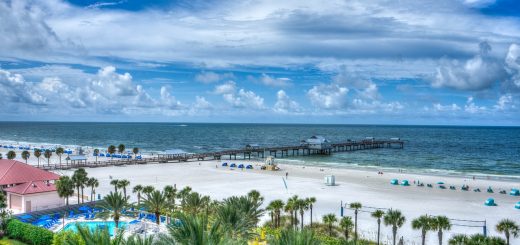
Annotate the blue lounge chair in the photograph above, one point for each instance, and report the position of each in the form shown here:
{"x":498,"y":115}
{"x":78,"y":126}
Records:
{"x":405,"y":183}
{"x":224,"y":164}
{"x":394,"y":182}
{"x":517,"y":205}
{"x":249,"y":167}
{"x":233,"y":165}
{"x":241,"y":166}
{"x":490,"y":202}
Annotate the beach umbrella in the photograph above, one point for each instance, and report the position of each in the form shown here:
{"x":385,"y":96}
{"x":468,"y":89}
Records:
{"x":440,"y":183}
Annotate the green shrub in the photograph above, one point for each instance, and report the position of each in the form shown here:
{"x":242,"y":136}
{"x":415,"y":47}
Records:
{"x":62,"y":236}
{"x":29,"y":233}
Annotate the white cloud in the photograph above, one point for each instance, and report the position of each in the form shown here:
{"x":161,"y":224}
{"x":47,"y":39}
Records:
{"x":275,"y":82}
{"x":477,"y":73}
{"x":202,"y":104}
{"x":505,"y":102}
{"x":211,"y":77}
{"x":446,"y":108}
{"x":226,"y":88}
{"x":513,"y":67}
{"x":240,"y":99}
{"x":470,"y":107}
{"x":167,"y":99}
{"x":284,"y":104}
{"x":328,"y":96}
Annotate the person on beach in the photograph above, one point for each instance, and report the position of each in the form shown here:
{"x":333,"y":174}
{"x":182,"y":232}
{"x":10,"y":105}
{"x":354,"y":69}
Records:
{"x":286,"y":175}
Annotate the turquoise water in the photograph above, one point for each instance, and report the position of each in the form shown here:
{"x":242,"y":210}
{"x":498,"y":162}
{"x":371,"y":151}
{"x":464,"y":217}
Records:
{"x":92,"y":225}
{"x":433,"y":149}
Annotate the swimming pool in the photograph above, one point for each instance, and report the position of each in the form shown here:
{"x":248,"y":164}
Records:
{"x":94,"y":224}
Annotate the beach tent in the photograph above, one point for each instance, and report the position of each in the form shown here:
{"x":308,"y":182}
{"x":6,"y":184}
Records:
{"x":108,"y":155}
{"x":517,"y":205}
{"x":249,"y":166}
{"x":490,"y":202}
{"x":405,"y":183}
{"x":394,"y":182}
{"x":233,"y":165}
{"x":224,"y":164}
{"x":241,"y":165}
{"x":514,"y":192}
{"x":101,"y":154}
{"x":139,"y":157}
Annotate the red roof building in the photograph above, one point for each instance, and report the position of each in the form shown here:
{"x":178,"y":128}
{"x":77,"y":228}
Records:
{"x":28,"y":188}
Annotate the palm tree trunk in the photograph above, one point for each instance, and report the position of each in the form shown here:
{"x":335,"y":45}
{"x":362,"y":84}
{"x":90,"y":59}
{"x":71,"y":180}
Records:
{"x":355,"y":227}
{"x":346,"y":234}
{"x":394,"y":233}
{"x":78,"y":194}
{"x":311,"y":215}
{"x":378,"y":230}
{"x":301,"y":221}
{"x":439,"y":234}
{"x":423,"y":237}
{"x":82,"y":197}
{"x":158,"y":218}
{"x":330,"y":229}
{"x":67,"y":201}
{"x":507,"y":237}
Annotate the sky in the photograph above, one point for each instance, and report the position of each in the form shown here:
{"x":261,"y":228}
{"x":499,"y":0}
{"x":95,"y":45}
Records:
{"x":427,"y":62}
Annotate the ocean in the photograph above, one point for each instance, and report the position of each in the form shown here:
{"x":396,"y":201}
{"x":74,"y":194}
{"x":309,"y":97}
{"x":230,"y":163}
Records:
{"x":451,"y":150}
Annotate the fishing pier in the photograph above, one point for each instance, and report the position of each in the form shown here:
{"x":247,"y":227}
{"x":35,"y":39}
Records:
{"x":316,"y":145}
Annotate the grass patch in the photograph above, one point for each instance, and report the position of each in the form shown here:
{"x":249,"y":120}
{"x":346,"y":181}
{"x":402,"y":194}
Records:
{"x":6,"y":241}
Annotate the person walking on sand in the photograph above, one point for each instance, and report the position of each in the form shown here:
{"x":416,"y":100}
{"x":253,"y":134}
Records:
{"x":286,"y":175}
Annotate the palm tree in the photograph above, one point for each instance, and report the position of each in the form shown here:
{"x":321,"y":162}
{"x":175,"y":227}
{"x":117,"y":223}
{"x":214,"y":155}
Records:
{"x":135,"y":150}
{"x":170,"y":192}
{"x":193,"y":230}
{"x":138,"y":240}
{"x":394,"y":218}
{"x":293,"y":237}
{"x":148,"y":189}
{"x":115,"y":183}
{"x":122,"y":184}
{"x":26,"y":155}
{"x":47,"y":154}
{"x":184,"y":193}
{"x":195,"y":203}
{"x":440,"y":224}
{"x":255,"y":195}
{"x":157,"y":203}
{"x":138,"y":189}
{"x":80,"y":179}
{"x":291,"y":208}
{"x":37,"y":154}
{"x":481,"y":239}
{"x":121,"y":148}
{"x":310,"y":202}
{"x":65,"y":188}
{"x":330,"y":219}
{"x":93,"y":183}
{"x":96,"y":153}
{"x":239,"y":216}
{"x":423,"y":223}
{"x":346,"y":224}
{"x":277,"y":206}
{"x":509,"y":228}
{"x":11,"y":155}
{"x":59,"y":152}
{"x":459,"y":239}
{"x":113,"y":204}
{"x":302,"y":205}
{"x":356,"y":206}
{"x":378,"y":214}
{"x":111,"y":149}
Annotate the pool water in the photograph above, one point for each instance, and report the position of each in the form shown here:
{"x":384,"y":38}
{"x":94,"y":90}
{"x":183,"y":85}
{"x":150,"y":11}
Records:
{"x":92,"y":225}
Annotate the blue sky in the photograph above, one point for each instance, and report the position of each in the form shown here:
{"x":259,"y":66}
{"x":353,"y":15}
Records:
{"x":375,"y":62}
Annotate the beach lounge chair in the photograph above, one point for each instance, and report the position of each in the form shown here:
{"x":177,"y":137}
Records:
{"x":514,"y":192}
{"x":430,"y":185}
{"x":503,"y":192}
{"x":394,"y":182}
{"x":452,"y":187}
{"x":249,"y":166}
{"x":517,"y":205}
{"x":477,"y":190}
{"x":224,"y":164}
{"x":442,"y":187}
{"x":405,"y":183}
{"x":490,"y":202}
{"x":489,"y":190}
{"x":465,"y":188}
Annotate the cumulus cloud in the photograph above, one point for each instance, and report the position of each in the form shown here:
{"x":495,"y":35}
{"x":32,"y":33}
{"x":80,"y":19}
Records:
{"x":472,"y":108}
{"x":284,"y":104}
{"x":513,"y":67}
{"x":477,"y":73}
{"x":241,"y":98}
{"x":202,"y":104}
{"x":328,"y":96}
{"x":505,"y":102}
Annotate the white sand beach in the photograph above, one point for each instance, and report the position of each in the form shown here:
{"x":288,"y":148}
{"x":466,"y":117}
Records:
{"x":367,"y":187}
